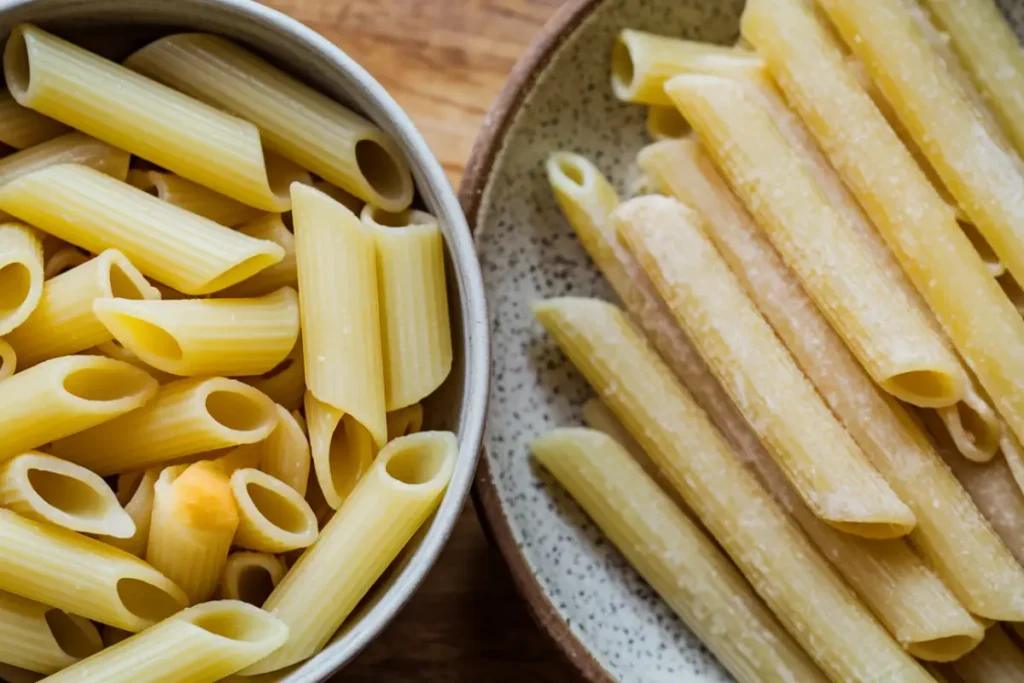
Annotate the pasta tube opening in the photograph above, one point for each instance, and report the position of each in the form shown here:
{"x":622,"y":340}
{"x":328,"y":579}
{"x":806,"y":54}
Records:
{"x":383,"y":173}
{"x":236,"y":621}
{"x":8,"y":360}
{"x":974,"y":426}
{"x":400,"y":219}
{"x":148,"y":602}
{"x":273,"y":517}
{"x":342,"y":449}
{"x":665,"y":123}
{"x":944,"y":649}
{"x":123,"y":280}
{"x":255,"y":584}
{"x":623,"y":70}
{"x":277,"y":509}
{"x":62,"y":261}
{"x":15,"y":284}
{"x":934,"y":388}
{"x":251,"y":577}
{"x":237,"y":411}
{"x":76,"y":636}
{"x":107,"y":381}
{"x":419,"y":460}
{"x":138,"y":333}
{"x":17,"y":66}
{"x":405,"y":421}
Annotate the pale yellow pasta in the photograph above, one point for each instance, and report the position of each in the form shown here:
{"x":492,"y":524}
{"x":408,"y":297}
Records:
{"x":391,"y":502}
{"x":136,"y":495}
{"x":415,"y":330}
{"x":112,"y":349}
{"x":193,"y":197}
{"x":817,"y":608}
{"x":186,"y":417}
{"x":405,"y":421}
{"x":890,"y":338}
{"x":43,"y":639}
{"x":286,"y":452}
{"x":193,"y":522}
{"x":272,"y":516}
{"x":664,"y":122}
{"x":8,"y":360}
{"x":202,"y":644}
{"x":21,"y":274}
{"x":21,"y":128}
{"x":64,"y":323}
{"x":62,"y":261}
{"x":171,"y":245}
{"x":64,"y":396}
{"x":203,"y":337}
{"x":996,"y":660}
{"x":341,"y":321}
{"x":286,"y":383}
{"x":342,"y":449}
{"x":294,"y":120}
{"x":282,"y":274}
{"x":351,"y":202}
{"x":82,"y":575}
{"x":71,"y":148}
{"x":251,"y":577}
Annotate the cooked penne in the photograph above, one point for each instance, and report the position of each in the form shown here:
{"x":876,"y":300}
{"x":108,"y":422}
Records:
{"x":664,"y":122}
{"x":115,"y":104}
{"x":349,"y":201}
{"x":203,"y":337}
{"x":112,"y":349}
{"x":296,"y":121}
{"x":21,"y":128}
{"x":64,"y":396}
{"x":673,"y":554}
{"x":193,"y":197}
{"x":71,"y":148}
{"x":405,"y":421}
{"x":82,"y":576}
{"x":251,"y":577}
{"x":282,"y":274}
{"x":953,"y":535}
{"x":286,"y":383}
{"x":996,"y":660}
{"x":193,"y":521}
{"x":186,"y":417}
{"x":43,"y":639}
{"x":8,"y":360}
{"x":918,"y":225}
{"x":48,"y":489}
{"x":341,"y":322}
{"x":286,"y":452}
{"x":136,"y":494}
{"x":825,"y":465}
{"x":201,"y":644}
{"x":62,"y":261}
{"x":342,"y":449}
{"x":176,"y":247}
{"x":391,"y":502}
{"x":415,"y":330}
{"x":21,"y":274}
{"x":64,"y":322}
{"x":272,"y":516}
{"x":890,"y":338}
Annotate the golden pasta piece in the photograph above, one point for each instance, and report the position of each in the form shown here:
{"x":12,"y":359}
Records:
{"x":282,"y":274}
{"x":135,"y":492}
{"x":273,"y":517}
{"x":21,"y":127}
{"x":21,"y":274}
{"x":71,"y":148}
{"x":342,"y":449}
{"x":405,"y":421}
{"x":62,"y":261}
{"x":251,"y":577}
{"x":43,"y":639}
{"x":193,"y":197}
{"x":8,"y":360}
{"x":665,"y":123}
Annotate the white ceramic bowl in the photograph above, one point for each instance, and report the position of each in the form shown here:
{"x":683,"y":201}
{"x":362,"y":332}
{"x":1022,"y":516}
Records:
{"x":114,"y":28}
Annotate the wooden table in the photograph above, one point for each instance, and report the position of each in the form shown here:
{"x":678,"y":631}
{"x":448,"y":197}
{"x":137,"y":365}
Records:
{"x":444,"y":61}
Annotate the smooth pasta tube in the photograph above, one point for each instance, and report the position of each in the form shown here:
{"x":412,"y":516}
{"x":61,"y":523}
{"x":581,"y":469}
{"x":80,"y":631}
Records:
{"x":8,"y":360}
{"x":193,"y":197}
{"x":186,"y":417}
{"x":342,"y":449}
{"x":286,"y":383}
{"x":953,"y":535}
{"x":391,"y":502}
{"x":202,"y":337}
{"x":817,"y":608}
{"x":71,"y":148}
{"x":63,"y":260}
{"x":251,"y":577}
{"x":21,"y":274}
{"x":405,"y":421}
{"x":64,"y":322}
{"x":890,"y":338}
{"x":172,"y":130}
{"x":135,"y":493}
{"x":664,"y":122}
{"x":193,"y":522}
{"x":341,"y":322}
{"x":996,"y":660}
{"x":202,"y":644}
{"x":67,"y":395}
{"x":282,"y":274}
{"x":95,"y":212}
{"x":21,"y":128}
{"x":48,"y":489}
{"x":272,"y":516}
{"x":83,"y":576}
{"x":43,"y":639}
{"x":415,"y":330}
{"x":295,"y":120}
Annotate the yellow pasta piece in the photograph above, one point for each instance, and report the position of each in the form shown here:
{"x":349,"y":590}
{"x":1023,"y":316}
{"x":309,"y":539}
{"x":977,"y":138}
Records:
{"x":43,"y":639}
{"x":286,"y":383}
{"x":21,"y":128}
{"x":62,"y":261}
{"x":115,"y":104}
{"x":295,"y":120}
{"x":21,"y":274}
{"x":664,"y":122}
{"x":136,"y":494}
{"x":341,"y":322}
{"x":64,"y":323}
{"x":112,"y":349}
{"x":186,"y":417}
{"x":8,"y":360}
{"x":984,"y":249}
{"x":251,"y":577}
{"x":996,"y":660}
{"x":193,"y":197}
{"x":405,"y":421}
{"x":272,"y":516}
{"x":286,"y":453}
{"x":391,"y":502}
{"x":283,"y":273}
{"x":342,"y":449}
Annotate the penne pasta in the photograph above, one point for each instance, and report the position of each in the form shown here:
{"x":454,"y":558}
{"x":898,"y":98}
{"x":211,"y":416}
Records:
{"x":405,"y":421}
{"x":342,"y":450}
{"x":64,"y":322}
{"x":70,"y":148}
{"x":272,"y":516}
{"x":193,"y":522}
{"x":171,"y":245}
{"x":21,"y":274}
{"x":296,"y":121}
{"x":890,"y":338}
{"x":286,"y":383}
{"x":201,"y":644}
{"x":189,"y":337}
{"x":341,"y":322}
{"x":350,"y":202}
{"x":8,"y":360}
{"x":664,"y":122}
{"x":282,"y":274}
{"x":112,"y":349}
{"x":819,"y":457}
{"x":43,"y":639}
{"x":64,"y":396}
{"x":62,"y":261}
{"x":193,"y":197}
{"x":674,"y":556}
{"x":186,"y":417}
{"x":136,"y":494}
{"x":286,"y":453}
{"x":415,"y":329}
{"x":996,"y":660}
{"x":21,"y":128}
{"x":251,"y":577}
{"x":391,"y":502}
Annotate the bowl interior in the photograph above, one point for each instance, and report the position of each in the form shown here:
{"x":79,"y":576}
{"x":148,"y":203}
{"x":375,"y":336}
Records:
{"x":116,"y":27}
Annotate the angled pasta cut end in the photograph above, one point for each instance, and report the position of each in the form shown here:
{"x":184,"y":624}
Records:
{"x":342,"y":449}
{"x":974,"y":426}
{"x":273,"y":517}
{"x":21,"y":274}
{"x":664,"y":122}
{"x":43,"y":639}
{"x":8,"y":360}
{"x":405,"y":421}
{"x":251,"y":577}
{"x":286,"y":452}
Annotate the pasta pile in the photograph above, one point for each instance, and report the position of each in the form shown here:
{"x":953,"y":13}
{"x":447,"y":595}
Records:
{"x":820,"y":344}
{"x":212,"y":362}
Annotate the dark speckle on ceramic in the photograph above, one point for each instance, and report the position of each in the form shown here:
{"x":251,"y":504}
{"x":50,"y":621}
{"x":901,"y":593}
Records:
{"x":528,"y":252}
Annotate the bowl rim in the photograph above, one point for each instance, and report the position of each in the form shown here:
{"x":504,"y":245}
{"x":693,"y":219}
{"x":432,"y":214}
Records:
{"x":489,"y":143}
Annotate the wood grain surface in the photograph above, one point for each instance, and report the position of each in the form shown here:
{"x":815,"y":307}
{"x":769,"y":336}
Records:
{"x":444,"y":61}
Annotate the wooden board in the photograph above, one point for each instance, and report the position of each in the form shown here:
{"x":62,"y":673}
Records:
{"x":444,"y":61}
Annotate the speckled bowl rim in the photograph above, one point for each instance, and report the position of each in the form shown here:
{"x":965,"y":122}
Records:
{"x":489,"y":144}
